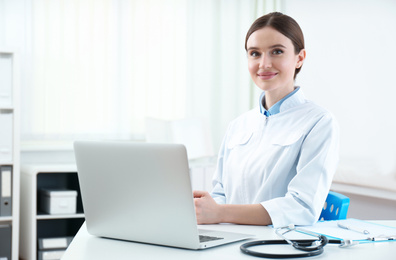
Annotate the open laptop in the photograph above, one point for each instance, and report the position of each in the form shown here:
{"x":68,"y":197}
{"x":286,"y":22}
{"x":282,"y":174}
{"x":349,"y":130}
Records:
{"x":141,"y":192}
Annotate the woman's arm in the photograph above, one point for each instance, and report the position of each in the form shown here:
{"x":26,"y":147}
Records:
{"x":209,"y":212}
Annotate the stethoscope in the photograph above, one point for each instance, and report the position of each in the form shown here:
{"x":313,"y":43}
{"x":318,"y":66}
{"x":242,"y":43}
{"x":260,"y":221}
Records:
{"x":309,"y":246}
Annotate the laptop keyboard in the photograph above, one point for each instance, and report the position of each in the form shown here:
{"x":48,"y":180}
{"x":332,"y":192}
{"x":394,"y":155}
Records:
{"x":203,"y":238}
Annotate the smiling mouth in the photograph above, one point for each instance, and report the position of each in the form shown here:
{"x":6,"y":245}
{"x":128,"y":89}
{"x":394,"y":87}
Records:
{"x":267,"y":75}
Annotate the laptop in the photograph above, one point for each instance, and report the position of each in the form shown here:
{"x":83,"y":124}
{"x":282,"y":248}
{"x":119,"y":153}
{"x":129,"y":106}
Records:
{"x":142,"y":192}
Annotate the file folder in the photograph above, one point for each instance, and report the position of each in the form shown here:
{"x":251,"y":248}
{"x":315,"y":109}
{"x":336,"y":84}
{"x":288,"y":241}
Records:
{"x":5,"y":241}
{"x":6,"y":79}
{"x":5,"y":190}
{"x":6,"y":134}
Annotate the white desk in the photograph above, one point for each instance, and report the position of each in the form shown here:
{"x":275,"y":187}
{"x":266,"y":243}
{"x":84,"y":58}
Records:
{"x":86,"y":247}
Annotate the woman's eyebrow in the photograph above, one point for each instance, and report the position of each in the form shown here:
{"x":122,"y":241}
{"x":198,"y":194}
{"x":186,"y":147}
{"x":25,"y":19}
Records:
{"x":270,"y":47}
{"x":277,"y":46}
{"x":252,"y":48}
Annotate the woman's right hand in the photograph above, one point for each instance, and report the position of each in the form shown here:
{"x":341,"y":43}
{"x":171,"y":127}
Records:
{"x":206,"y":208}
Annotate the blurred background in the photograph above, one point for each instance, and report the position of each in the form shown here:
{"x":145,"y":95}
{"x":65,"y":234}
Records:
{"x":149,"y":70}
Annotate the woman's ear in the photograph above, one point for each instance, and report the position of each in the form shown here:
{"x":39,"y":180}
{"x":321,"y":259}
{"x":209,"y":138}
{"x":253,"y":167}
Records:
{"x":300,"y":58}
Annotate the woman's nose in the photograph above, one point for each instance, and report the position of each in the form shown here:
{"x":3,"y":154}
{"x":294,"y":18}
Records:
{"x":265,"y":62}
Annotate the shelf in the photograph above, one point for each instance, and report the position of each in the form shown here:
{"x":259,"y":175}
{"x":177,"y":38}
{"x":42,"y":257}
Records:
{"x":7,"y":109}
{"x":6,"y":163}
{"x":60,"y":216}
{"x":364,"y":191}
{"x":35,"y":223}
{"x":58,"y":228}
{"x":9,"y":142}
{"x":5,"y":219}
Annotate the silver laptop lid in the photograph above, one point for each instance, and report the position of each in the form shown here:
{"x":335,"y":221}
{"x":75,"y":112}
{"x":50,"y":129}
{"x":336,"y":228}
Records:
{"x":137,"y":191}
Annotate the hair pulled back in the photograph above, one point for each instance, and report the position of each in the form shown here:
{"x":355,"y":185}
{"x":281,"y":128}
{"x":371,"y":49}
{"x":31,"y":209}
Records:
{"x":283,"y":24}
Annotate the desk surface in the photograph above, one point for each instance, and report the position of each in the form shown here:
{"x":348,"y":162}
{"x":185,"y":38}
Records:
{"x":85,"y":246}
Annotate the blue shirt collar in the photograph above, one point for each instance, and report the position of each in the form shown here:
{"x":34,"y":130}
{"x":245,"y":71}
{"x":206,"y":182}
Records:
{"x":275,"y":109}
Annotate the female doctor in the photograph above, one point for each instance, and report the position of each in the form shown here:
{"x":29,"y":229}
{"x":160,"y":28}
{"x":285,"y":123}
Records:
{"x":277,"y":161}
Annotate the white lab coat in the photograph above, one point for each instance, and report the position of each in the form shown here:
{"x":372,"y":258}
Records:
{"x":286,"y":161}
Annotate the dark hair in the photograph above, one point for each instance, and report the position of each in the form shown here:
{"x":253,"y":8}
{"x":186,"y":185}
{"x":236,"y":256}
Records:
{"x":283,"y":24}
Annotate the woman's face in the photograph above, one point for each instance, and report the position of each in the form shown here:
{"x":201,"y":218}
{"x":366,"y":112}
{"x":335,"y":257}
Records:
{"x":272,"y":61}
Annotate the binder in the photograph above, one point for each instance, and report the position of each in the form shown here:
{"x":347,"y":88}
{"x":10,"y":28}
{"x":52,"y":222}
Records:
{"x":6,"y":136}
{"x":6,"y":79}
{"x":5,"y":190}
{"x":5,"y":241}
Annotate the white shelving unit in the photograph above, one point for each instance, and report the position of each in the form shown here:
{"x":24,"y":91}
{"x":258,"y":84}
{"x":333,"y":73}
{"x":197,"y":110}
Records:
{"x":36,"y":224}
{"x":9,"y":146}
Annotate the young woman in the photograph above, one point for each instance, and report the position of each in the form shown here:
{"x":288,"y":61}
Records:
{"x":277,"y":161}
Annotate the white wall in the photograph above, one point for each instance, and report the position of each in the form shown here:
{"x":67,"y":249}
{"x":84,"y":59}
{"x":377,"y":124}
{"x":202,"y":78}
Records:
{"x":350,"y":69}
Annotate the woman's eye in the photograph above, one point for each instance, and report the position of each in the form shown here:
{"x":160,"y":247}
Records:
{"x":277,"y":52}
{"x":254,"y":54}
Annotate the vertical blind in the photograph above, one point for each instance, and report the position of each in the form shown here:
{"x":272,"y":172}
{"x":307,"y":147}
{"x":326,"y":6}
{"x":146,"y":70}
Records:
{"x":100,"y":67}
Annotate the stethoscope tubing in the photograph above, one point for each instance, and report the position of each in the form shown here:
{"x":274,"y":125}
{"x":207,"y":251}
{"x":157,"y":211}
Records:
{"x":298,"y":244}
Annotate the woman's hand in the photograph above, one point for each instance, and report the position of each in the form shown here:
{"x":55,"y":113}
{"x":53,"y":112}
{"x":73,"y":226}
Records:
{"x":209,"y":212}
{"x":206,"y":208}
